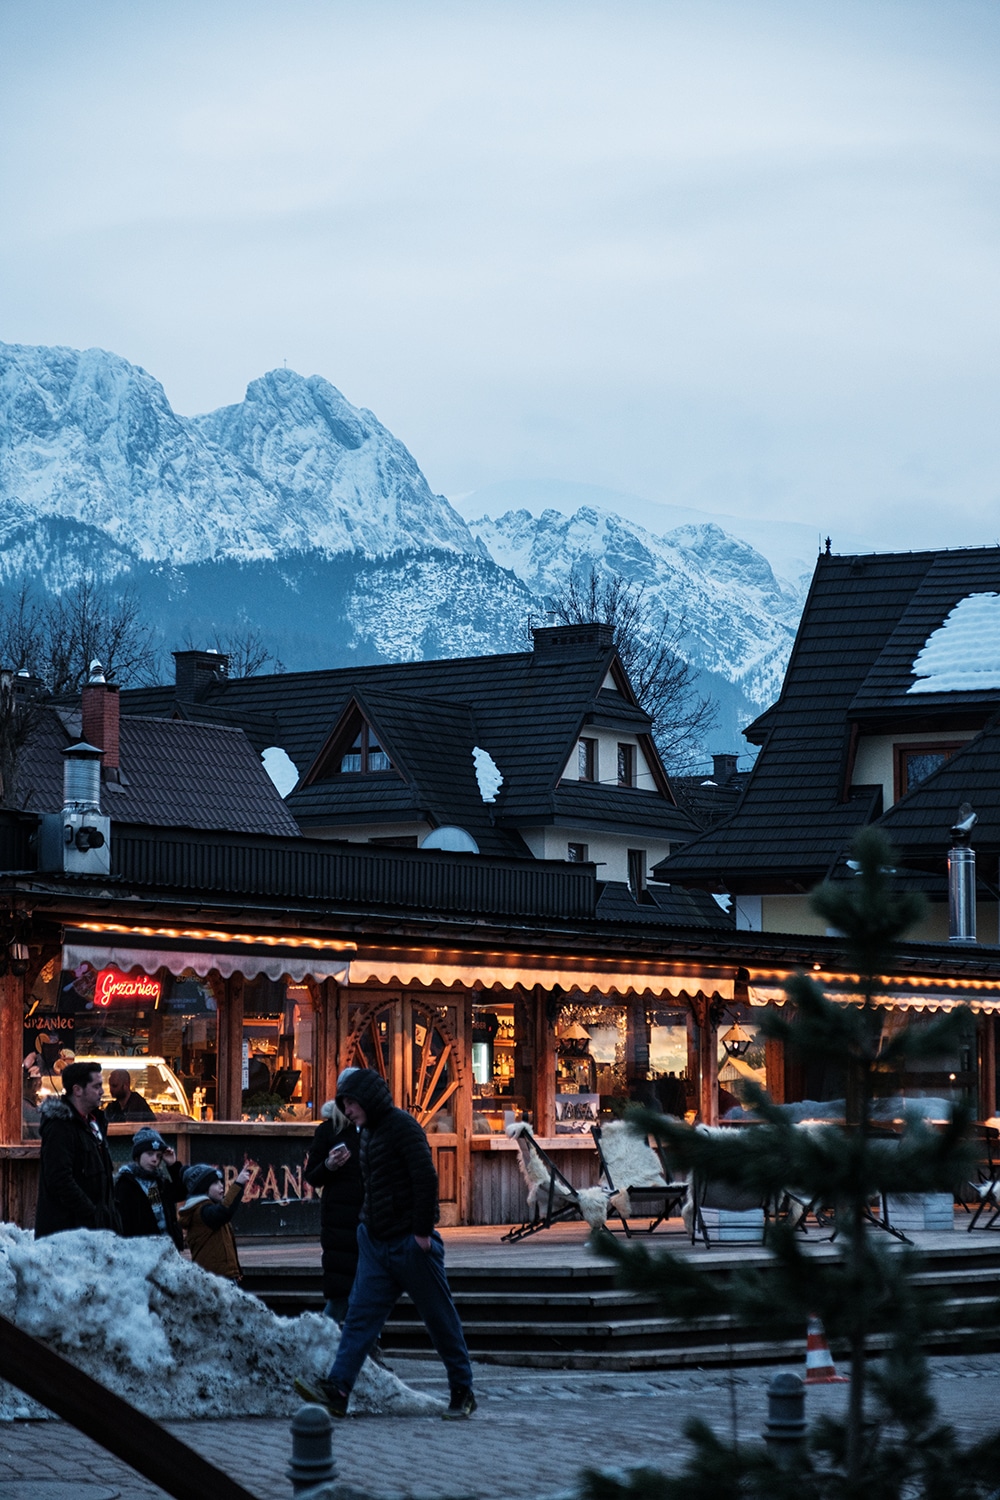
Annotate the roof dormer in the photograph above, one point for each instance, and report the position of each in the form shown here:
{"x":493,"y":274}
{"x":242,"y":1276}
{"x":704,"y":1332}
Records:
{"x":354,"y":748}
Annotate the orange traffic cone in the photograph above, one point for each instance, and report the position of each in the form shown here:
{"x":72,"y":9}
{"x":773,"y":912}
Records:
{"x":820,"y":1368}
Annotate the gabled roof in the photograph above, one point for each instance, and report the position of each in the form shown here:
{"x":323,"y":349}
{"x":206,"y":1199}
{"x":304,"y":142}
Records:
{"x":430,"y":742}
{"x":797,"y":816}
{"x":173,"y":775}
{"x":525,"y":709}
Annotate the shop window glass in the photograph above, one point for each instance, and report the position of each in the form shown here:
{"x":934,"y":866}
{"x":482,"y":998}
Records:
{"x":499,"y":1092}
{"x":595,"y":1078}
{"x":155,"y":1037}
{"x":278,"y":1054}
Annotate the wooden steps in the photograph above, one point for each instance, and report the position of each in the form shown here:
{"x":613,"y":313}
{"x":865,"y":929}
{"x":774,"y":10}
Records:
{"x":572,"y":1316}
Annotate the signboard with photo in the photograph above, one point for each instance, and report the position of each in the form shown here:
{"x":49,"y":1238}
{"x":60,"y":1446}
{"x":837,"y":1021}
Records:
{"x":575,"y":1113}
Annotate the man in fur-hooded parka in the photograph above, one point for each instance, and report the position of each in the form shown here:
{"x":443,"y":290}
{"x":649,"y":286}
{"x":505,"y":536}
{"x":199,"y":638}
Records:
{"x":75,"y":1182}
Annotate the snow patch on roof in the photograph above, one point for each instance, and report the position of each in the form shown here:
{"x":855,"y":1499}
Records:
{"x":281,"y":768}
{"x":488,"y":774}
{"x":963,"y":654}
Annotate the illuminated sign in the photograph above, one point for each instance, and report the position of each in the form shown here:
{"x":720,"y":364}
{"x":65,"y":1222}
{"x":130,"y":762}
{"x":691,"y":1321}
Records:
{"x":112,"y":984}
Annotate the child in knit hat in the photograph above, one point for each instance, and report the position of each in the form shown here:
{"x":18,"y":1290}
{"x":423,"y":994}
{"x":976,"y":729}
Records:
{"x":206,"y":1215}
{"x":149,"y":1187}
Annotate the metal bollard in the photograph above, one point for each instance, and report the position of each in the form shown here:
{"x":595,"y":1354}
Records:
{"x":312,"y":1449}
{"x":785,"y":1428}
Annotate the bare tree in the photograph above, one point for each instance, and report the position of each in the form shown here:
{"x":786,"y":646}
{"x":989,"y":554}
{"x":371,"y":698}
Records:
{"x":92,"y":621}
{"x":245,"y":647}
{"x":648,"y":640}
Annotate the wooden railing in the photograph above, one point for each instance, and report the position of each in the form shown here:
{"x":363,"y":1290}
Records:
{"x":109,"y":1421}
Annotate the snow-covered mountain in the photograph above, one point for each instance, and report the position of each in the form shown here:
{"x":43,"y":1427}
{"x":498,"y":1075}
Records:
{"x":740,"y":620}
{"x":300,"y":514}
{"x":90,"y":439}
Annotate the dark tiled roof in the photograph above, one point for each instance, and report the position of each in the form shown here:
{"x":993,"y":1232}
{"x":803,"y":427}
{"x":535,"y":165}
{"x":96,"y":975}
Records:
{"x":667,"y":905}
{"x":173,"y":775}
{"x":627,"y":809}
{"x":525,"y":709}
{"x":792,"y":820}
{"x":707,"y":801}
{"x":951,"y":577}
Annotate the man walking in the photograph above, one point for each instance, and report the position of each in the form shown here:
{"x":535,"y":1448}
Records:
{"x":75,"y":1187}
{"x":399,"y":1249}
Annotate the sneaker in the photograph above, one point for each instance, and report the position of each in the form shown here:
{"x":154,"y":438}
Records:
{"x":461,"y":1405}
{"x":324,"y":1393}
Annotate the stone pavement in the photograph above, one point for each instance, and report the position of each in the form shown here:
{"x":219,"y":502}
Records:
{"x":533,"y":1432}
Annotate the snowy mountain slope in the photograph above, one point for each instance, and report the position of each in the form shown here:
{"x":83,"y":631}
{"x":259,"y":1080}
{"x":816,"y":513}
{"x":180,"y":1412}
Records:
{"x":89,"y":438}
{"x":789,"y":546}
{"x":301,"y":515}
{"x":740,"y":619}
{"x":345,"y":484}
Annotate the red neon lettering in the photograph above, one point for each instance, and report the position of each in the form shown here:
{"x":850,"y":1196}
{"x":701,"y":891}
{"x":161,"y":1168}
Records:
{"x":112,"y":984}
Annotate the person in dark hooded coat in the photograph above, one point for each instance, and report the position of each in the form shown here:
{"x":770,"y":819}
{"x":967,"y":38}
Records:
{"x":334,"y":1166}
{"x":399,"y":1250}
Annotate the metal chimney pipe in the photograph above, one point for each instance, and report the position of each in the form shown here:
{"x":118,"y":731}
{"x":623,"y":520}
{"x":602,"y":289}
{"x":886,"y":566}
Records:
{"x":82,"y":778}
{"x":962,"y":879}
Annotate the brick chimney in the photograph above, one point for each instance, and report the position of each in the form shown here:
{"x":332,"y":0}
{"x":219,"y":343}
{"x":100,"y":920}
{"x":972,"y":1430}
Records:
{"x":101,"y":710}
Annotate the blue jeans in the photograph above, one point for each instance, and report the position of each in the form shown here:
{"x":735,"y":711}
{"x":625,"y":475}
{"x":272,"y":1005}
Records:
{"x":385,"y":1269}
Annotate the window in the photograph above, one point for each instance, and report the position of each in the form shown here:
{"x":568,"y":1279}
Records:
{"x":577,"y":854}
{"x":586,"y":760}
{"x":637,"y":872}
{"x":914,"y":763}
{"x":365,"y":754}
{"x":626,"y":765}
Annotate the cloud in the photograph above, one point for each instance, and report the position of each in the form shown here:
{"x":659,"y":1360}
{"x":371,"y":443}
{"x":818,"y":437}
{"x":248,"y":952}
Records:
{"x":729,"y":253}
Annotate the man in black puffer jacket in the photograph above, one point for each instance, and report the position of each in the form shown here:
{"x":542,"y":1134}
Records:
{"x":399,"y":1249}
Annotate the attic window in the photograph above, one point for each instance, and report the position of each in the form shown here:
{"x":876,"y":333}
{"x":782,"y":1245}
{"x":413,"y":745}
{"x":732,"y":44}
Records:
{"x":914,"y":763}
{"x":586,"y":760}
{"x":365,"y":754}
{"x":626,"y":764}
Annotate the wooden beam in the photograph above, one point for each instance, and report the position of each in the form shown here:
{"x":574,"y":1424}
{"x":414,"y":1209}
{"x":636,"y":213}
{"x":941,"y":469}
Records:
{"x":107,"y":1419}
{"x":544,"y":1106}
{"x":11,"y":1055}
{"x":229,"y":1071}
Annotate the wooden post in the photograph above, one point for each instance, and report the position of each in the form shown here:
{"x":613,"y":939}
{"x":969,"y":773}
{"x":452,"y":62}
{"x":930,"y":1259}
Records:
{"x":11,"y":1055}
{"x":708,"y":1063}
{"x":544,"y":1107}
{"x":327,"y":1056}
{"x":774,"y":1066}
{"x":636,"y":1042}
{"x":229,"y":1090}
{"x":987,"y":1051}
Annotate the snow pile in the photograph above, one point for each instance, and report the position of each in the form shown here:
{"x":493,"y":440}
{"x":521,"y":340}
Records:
{"x":170,"y":1338}
{"x":963,"y":654}
{"x":488,"y":774}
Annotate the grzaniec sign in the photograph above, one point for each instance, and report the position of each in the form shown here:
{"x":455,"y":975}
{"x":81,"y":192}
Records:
{"x":112,"y":984}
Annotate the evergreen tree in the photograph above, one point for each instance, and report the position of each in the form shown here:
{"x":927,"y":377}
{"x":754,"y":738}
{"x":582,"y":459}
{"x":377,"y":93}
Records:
{"x":891,"y":1443}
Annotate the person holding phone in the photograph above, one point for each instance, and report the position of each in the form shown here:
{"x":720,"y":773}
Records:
{"x":334,"y":1166}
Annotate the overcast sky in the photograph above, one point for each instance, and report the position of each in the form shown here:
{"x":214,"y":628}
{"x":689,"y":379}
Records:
{"x":732,"y":254}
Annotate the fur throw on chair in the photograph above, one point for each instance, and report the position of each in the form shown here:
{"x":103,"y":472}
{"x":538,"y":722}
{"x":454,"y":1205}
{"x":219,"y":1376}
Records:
{"x":631,"y":1162}
{"x":592,"y":1201}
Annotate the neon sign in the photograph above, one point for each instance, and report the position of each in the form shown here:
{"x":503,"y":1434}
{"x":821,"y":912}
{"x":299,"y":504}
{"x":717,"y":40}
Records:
{"x":112,"y":984}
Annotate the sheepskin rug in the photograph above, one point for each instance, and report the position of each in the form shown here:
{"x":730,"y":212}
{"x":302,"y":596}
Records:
{"x":172,"y":1339}
{"x":591,"y":1201}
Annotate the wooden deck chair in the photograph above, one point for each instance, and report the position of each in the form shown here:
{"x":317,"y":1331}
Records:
{"x":987,"y":1186}
{"x":552,"y":1198}
{"x":634,"y":1177}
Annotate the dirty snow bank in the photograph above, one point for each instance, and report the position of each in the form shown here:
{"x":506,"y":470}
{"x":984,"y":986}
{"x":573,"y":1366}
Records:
{"x":170,"y":1338}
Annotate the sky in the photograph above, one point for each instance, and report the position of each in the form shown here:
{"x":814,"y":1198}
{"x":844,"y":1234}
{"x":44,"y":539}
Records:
{"x":732,"y":255}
